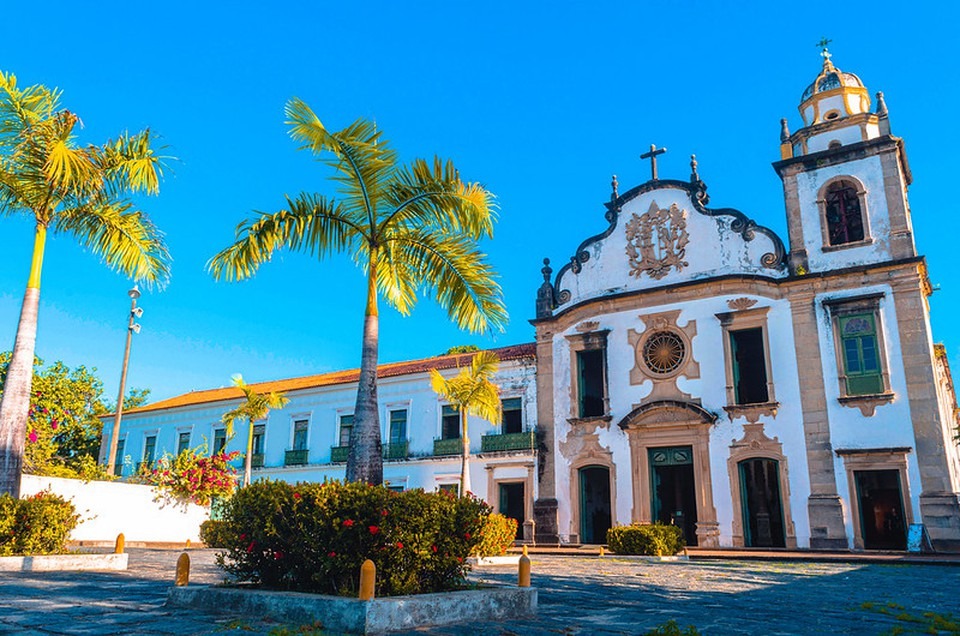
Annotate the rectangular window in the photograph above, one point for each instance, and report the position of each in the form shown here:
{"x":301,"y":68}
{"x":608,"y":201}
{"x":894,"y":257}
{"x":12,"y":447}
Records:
{"x":397,"y":488}
{"x":450,"y":422}
{"x":512,"y":415}
{"x":749,"y":366}
{"x":590,"y":382}
{"x":398,"y":426}
{"x":451,"y":488}
{"x":149,"y":448}
{"x":118,"y":459}
{"x":258,"y":432}
{"x":861,"y":357}
{"x":183,"y":441}
{"x":346,"y":427}
{"x":219,"y":440}
{"x":300,"y":434}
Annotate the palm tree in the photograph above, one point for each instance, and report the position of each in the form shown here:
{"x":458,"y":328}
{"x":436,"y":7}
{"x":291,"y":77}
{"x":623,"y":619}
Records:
{"x":409,"y":228}
{"x":472,"y":393}
{"x":255,"y":406}
{"x":62,"y":186}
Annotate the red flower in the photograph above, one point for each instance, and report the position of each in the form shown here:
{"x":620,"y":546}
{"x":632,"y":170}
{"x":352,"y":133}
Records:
{"x":296,"y":495}
{"x":331,"y":554}
{"x":348,"y":522}
{"x":277,"y":555}
{"x":33,"y":436}
{"x":459,"y":559}
{"x":384,"y":513}
{"x":467,"y":536}
{"x":243,"y":537}
{"x":399,"y":545}
{"x":434,"y":548}
{"x":54,"y":424}
{"x":251,"y":546}
{"x":374,"y":529}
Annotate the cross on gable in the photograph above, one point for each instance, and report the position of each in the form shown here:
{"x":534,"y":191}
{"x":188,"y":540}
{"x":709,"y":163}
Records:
{"x":652,"y":156}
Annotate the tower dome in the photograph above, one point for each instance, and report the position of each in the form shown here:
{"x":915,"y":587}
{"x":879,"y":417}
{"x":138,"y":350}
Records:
{"x":833,"y":95}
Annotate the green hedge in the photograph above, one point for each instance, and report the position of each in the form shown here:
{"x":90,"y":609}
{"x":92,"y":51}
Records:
{"x":648,"y":539}
{"x":314,"y":537}
{"x":39,"y":524}
{"x":211,"y":533}
{"x":498,"y":534}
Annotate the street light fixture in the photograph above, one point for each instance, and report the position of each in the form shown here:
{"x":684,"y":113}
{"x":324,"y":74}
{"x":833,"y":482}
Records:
{"x":132,"y":328}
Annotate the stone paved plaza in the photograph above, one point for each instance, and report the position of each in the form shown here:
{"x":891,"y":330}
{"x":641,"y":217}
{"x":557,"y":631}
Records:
{"x":578,"y":595}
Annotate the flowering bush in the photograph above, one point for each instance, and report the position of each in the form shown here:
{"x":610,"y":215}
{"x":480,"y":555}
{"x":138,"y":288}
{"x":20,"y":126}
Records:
{"x":36,"y":525}
{"x":314,"y":537}
{"x":497,"y":534}
{"x":194,"y":476}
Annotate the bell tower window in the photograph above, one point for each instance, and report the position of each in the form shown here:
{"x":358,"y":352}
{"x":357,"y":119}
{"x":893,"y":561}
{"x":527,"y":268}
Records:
{"x":844,"y":214}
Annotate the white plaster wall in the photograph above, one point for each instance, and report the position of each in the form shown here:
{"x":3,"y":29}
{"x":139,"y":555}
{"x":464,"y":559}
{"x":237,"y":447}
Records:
{"x":846,"y":136}
{"x":891,"y":424}
{"x":869,"y":172}
{"x":108,"y":508}
{"x":714,"y":249}
{"x":710,"y":388}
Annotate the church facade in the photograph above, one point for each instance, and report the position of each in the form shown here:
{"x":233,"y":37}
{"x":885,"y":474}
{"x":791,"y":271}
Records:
{"x":693,"y":368}
{"x":690,"y":367}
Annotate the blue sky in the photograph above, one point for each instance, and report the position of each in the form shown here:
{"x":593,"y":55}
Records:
{"x":541,"y":102}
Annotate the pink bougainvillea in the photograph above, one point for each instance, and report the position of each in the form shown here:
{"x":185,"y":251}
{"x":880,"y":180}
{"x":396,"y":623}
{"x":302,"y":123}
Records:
{"x":193,"y":476}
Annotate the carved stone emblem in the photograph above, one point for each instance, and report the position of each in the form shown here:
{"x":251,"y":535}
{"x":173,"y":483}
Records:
{"x":657,"y":241}
{"x":739,"y":304}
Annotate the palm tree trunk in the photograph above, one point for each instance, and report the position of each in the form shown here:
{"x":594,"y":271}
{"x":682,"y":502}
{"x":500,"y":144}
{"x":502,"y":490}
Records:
{"x":465,"y":460}
{"x":248,"y":462}
{"x":365,"y":461}
{"x":15,"y":405}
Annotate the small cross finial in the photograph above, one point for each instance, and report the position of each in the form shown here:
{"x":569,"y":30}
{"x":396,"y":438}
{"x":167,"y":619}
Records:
{"x":824,"y":53}
{"x":694,"y":177}
{"x":652,"y":156}
{"x":615,"y":186}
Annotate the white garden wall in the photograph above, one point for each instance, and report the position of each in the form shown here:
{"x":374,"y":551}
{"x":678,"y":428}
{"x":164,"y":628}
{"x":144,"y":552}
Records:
{"x":108,"y":508}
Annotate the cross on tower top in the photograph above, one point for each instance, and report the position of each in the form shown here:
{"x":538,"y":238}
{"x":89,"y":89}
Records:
{"x":822,"y":45}
{"x":652,"y":156}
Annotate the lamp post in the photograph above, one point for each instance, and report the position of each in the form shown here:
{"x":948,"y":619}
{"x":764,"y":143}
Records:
{"x":132,"y":327}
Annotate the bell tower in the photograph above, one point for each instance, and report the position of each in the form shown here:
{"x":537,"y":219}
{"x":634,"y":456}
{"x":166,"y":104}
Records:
{"x":845,"y":178}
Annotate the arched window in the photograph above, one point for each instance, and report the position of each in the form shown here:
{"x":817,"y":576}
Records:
{"x":844,"y":216}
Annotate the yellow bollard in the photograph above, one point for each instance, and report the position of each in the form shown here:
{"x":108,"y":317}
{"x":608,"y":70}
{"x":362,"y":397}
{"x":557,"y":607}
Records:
{"x":601,"y":551}
{"x":118,"y":546}
{"x":188,"y":545}
{"x":183,"y":570}
{"x":368,"y":580}
{"x":525,"y":549}
{"x":524,"y":579}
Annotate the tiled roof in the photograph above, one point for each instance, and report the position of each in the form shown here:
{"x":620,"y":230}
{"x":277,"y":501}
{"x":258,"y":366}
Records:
{"x":394,"y":369}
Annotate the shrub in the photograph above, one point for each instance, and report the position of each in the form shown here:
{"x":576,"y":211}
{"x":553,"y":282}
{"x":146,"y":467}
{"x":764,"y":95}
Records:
{"x":497,"y":534}
{"x":649,"y":539}
{"x":212,"y":534}
{"x":37,"y":525}
{"x":314,"y":537}
{"x":194,"y":476}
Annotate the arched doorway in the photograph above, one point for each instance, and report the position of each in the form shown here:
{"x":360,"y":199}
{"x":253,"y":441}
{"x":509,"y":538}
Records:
{"x":762,"y":503}
{"x":595,"y":517}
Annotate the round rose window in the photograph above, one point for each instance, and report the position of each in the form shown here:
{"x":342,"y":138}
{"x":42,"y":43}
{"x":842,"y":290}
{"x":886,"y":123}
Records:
{"x":663,"y":352}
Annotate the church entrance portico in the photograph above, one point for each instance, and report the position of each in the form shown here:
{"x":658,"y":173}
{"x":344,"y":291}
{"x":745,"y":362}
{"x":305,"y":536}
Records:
{"x":670,"y":451}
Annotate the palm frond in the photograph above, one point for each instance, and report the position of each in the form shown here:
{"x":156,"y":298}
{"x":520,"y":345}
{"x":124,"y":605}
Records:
{"x":363,"y":161}
{"x":122,"y":236}
{"x":311,"y":223}
{"x":454,"y":268}
{"x":131,"y":164}
{"x":435,"y":196}
{"x":21,"y":108}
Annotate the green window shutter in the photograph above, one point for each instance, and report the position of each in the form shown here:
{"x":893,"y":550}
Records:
{"x":736,"y":366}
{"x":861,"y":355}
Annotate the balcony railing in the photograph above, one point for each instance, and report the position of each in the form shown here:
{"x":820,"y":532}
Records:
{"x":448,"y":446}
{"x":295,"y":457}
{"x":256,"y":460}
{"x":397,"y":450}
{"x":339,"y":453}
{"x":508,"y":442}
